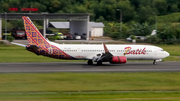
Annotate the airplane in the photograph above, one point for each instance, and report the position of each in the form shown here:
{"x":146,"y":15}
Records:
{"x":114,"y":54}
{"x":142,"y":37}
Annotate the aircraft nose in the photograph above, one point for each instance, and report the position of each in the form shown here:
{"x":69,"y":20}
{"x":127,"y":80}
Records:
{"x":167,"y":54}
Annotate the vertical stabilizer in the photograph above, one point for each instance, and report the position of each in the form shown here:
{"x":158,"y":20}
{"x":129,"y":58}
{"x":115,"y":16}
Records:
{"x":34,"y":37}
{"x":39,"y":45}
{"x":153,"y":32}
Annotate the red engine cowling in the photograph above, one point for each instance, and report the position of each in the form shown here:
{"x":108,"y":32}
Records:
{"x":118,"y":59}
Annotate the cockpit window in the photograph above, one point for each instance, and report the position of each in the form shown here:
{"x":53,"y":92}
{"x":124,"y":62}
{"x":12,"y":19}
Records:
{"x":162,"y":50}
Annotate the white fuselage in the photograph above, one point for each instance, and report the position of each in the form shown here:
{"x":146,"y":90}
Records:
{"x":135,"y":52}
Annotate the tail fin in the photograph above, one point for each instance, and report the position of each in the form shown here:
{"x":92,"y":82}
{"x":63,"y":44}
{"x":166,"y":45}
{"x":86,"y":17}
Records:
{"x":39,"y":45}
{"x":153,"y":32}
{"x":33,"y":35}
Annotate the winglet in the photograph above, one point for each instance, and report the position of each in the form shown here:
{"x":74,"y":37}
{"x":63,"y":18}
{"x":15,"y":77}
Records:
{"x":105,"y":48}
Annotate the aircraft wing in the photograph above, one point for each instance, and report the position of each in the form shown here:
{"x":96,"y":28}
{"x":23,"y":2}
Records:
{"x":18,"y":44}
{"x":108,"y":57}
{"x":105,"y":56}
{"x":100,"y":57}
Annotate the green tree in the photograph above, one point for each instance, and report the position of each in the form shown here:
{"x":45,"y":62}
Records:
{"x":161,"y":6}
{"x":144,"y":13}
{"x":167,"y":34}
{"x":128,"y":11}
{"x":136,"y":3}
{"x":140,"y":29}
{"x":5,"y":6}
{"x":80,"y":9}
{"x":110,"y":28}
{"x":174,"y":8}
{"x":101,"y":19}
{"x":54,"y":6}
{"x":41,"y":7}
{"x":153,"y":39}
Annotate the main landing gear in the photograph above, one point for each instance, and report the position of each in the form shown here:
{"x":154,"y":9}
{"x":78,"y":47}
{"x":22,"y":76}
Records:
{"x":99,"y":63}
{"x":90,"y":62}
{"x":155,"y":62}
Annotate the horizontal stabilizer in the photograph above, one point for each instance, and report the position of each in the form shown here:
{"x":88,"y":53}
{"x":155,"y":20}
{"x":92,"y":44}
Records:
{"x":18,"y":44}
{"x":34,"y":47}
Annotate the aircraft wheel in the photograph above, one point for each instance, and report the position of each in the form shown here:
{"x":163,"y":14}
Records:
{"x":90,"y":62}
{"x":154,"y":63}
{"x":99,"y":63}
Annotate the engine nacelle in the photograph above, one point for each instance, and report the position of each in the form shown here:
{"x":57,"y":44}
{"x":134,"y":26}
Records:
{"x":118,"y":59}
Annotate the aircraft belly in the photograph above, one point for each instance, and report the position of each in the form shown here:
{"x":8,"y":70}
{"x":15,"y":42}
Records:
{"x":78,"y":56}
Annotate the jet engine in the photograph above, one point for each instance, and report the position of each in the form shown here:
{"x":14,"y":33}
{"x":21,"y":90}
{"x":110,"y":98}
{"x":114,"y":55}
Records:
{"x":118,"y":59}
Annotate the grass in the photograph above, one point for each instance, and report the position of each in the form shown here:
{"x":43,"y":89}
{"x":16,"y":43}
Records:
{"x":57,"y":82}
{"x":90,"y":86}
{"x":174,"y":50}
{"x":96,"y":96}
{"x":172,"y":58}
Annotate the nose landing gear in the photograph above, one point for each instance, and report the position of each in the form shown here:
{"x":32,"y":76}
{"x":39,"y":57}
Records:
{"x":155,"y":62}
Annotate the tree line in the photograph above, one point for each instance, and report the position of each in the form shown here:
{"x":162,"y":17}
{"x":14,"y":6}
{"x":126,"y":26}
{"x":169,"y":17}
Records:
{"x":139,"y":17}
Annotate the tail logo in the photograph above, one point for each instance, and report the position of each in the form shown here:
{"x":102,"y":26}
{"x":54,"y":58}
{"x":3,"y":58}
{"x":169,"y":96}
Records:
{"x":45,"y":48}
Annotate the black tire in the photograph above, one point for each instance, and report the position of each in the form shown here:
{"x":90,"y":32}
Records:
{"x":154,"y":63}
{"x":99,"y":63}
{"x":90,"y":62}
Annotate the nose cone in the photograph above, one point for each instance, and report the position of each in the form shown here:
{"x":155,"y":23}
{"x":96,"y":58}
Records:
{"x":166,"y":54}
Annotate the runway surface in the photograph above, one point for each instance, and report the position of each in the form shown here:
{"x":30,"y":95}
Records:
{"x":83,"y":67}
